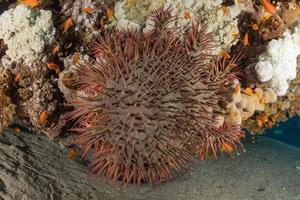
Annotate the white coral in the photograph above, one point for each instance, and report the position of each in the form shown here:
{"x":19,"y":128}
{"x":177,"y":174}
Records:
{"x":278,"y":64}
{"x":26,"y":32}
{"x":224,"y":26}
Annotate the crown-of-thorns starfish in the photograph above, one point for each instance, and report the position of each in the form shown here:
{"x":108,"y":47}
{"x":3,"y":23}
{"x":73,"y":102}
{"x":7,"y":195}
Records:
{"x":148,"y":101}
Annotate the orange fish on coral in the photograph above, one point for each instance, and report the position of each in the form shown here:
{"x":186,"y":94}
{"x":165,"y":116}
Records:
{"x":31,"y":3}
{"x":16,"y":131}
{"x":67,"y":24}
{"x":187,"y":15}
{"x":56,"y":49}
{"x":224,"y":54}
{"x":18,"y":77}
{"x":246,"y":39}
{"x":75,"y":58}
{"x":225,"y":10}
{"x":42,"y":117}
{"x":53,"y":66}
{"x":268,"y":6}
{"x":254,"y":27}
{"x":263,"y":100}
{"x":110,"y":13}
{"x":88,"y":10}
{"x":248,"y":91}
{"x":72,"y":154}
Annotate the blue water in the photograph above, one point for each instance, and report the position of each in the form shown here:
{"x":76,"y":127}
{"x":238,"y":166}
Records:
{"x":287,"y":132}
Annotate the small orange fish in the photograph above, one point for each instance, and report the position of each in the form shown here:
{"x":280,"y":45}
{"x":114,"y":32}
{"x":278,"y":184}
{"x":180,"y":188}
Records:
{"x":53,"y":66}
{"x":42,"y":117}
{"x":75,"y":58}
{"x":263,"y":100}
{"x":254,"y":27}
{"x":259,"y":123}
{"x":110,"y":13}
{"x":16,"y":131}
{"x":72,"y":154}
{"x":31,"y":3}
{"x":237,"y":89}
{"x":187,"y":15}
{"x":227,"y":148}
{"x":248,"y":91}
{"x":233,"y":114}
{"x":268,"y":6}
{"x":246,"y":39}
{"x":88,"y":10}
{"x":224,"y":54}
{"x":67,"y":24}
{"x":264,"y":118}
{"x":225,"y":10}
{"x":56,"y":49}
{"x":241,"y":135}
{"x":18,"y":77}
{"x":270,"y":124}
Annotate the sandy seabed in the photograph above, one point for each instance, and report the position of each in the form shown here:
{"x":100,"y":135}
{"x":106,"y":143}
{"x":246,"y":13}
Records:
{"x":35,"y":168}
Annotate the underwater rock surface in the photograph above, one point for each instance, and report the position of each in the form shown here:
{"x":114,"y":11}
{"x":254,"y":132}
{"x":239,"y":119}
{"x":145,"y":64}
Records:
{"x":33,"y":167}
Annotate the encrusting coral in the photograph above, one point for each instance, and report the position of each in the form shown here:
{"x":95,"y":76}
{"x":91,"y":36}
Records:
{"x":26,"y":32}
{"x":245,"y":102}
{"x":148,"y":103}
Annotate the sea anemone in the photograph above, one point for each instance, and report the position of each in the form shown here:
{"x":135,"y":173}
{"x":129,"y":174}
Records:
{"x":149,"y":101}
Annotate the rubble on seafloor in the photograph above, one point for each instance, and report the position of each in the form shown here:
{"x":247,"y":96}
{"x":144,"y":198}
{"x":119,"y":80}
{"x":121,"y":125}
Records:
{"x":43,"y":44}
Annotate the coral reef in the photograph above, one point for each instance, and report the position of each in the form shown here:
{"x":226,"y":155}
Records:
{"x":278,"y":64}
{"x":26,"y":33}
{"x":135,"y":129}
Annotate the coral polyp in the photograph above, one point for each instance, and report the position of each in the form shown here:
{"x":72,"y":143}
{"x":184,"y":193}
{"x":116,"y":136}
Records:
{"x":148,"y":101}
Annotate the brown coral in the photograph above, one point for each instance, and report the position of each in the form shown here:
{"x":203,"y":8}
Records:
{"x":149,"y":101}
{"x":273,"y":28}
{"x":7,"y":111}
{"x":7,"y":108}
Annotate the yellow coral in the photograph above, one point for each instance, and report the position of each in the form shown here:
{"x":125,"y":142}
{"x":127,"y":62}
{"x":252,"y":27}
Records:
{"x":245,"y":104}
